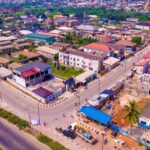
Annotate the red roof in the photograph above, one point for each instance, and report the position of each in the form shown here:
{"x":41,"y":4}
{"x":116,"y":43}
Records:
{"x":141,"y":62}
{"x":147,"y":56}
{"x":125,"y":43}
{"x":30,"y":72}
{"x":100,"y":47}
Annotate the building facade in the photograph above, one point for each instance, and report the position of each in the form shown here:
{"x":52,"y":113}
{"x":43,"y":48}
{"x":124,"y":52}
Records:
{"x":81,"y":60}
{"x":32,"y":73}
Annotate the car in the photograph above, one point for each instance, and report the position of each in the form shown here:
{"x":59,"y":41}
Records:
{"x":119,"y":141}
{"x":114,"y":134}
{"x":69,"y":133}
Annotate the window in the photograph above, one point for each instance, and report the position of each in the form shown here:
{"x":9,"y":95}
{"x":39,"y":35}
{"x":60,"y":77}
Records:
{"x":46,"y":72}
{"x":32,"y":77}
{"x":37,"y":75}
{"x":74,"y":59}
{"x":77,"y":59}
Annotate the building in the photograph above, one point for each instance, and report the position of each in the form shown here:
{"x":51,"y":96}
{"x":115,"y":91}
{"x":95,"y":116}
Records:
{"x":59,"y":46}
{"x":32,"y":73}
{"x":85,"y":77}
{"x":143,"y":26}
{"x":100,"y":48}
{"x":47,"y":52}
{"x":5,"y":73}
{"x":40,"y":37}
{"x":127,"y":45}
{"x":4,"y":61}
{"x":66,"y":30}
{"x":81,"y":60}
{"x":87,"y":28}
{"x":46,"y":95}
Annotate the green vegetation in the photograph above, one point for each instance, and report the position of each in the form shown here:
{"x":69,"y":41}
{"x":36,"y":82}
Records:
{"x":132,"y":113}
{"x":100,"y":12}
{"x":19,"y":58}
{"x":32,"y":47}
{"x":64,"y":72}
{"x":74,"y":39}
{"x":20,"y":123}
{"x":23,"y":124}
{"x":137,"y":40}
{"x":50,"y":143}
{"x":1,"y":20}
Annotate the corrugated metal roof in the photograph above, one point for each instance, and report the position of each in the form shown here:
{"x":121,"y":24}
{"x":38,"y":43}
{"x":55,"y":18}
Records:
{"x":29,"y":66}
{"x":96,"y":115}
{"x":42,"y":92}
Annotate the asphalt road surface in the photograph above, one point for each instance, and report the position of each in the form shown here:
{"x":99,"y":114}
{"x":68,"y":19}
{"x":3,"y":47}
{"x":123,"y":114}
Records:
{"x":11,"y":139}
{"x":54,"y":115}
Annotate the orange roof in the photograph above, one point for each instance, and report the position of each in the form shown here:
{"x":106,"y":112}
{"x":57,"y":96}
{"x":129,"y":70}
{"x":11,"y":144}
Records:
{"x":125,"y":43}
{"x":100,"y":47}
{"x":106,"y":39}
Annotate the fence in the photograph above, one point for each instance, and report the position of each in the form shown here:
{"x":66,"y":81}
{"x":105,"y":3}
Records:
{"x":25,"y":90}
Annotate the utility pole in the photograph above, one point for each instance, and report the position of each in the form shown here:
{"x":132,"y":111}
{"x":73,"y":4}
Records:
{"x":1,"y":94}
{"x":99,"y":86}
{"x":29,"y":114}
{"x":125,"y":70}
{"x":102,"y":141}
{"x":38,"y":114}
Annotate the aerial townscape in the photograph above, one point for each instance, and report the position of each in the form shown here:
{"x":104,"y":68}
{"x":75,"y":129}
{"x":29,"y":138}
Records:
{"x":75,"y":75}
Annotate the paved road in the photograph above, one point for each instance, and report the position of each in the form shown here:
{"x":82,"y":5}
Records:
{"x":12,"y":139}
{"x":53,"y":114}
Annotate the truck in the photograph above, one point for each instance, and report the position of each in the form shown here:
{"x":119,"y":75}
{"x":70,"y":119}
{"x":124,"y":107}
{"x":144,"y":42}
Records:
{"x":85,"y":134}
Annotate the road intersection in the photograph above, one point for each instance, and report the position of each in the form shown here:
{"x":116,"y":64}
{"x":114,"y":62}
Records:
{"x":49,"y":114}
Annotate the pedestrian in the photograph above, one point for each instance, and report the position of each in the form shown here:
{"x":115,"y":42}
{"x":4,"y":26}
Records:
{"x":106,"y":141}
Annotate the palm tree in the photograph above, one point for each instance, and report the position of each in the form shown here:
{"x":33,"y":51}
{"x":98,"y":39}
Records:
{"x":132,"y":113}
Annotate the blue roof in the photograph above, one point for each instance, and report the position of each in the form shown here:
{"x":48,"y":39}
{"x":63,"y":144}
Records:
{"x":96,"y":115}
{"x":39,"y":65}
{"x":36,"y":35}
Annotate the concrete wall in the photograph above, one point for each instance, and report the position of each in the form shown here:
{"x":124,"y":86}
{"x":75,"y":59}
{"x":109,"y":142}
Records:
{"x":27,"y":91}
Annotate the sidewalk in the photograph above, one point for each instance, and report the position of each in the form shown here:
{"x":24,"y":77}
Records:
{"x":49,"y":131}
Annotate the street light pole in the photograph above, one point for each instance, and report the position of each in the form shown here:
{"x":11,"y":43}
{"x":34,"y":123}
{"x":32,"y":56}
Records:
{"x":102,"y":141}
{"x":39,"y":114}
{"x":29,"y":114}
{"x":1,"y":94}
{"x":99,"y":86}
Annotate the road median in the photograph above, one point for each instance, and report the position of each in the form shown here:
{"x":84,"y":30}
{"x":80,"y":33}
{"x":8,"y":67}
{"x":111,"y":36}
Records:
{"x":25,"y":126}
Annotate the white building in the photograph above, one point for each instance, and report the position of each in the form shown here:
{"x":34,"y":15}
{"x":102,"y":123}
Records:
{"x":81,"y":60}
{"x":143,"y":26}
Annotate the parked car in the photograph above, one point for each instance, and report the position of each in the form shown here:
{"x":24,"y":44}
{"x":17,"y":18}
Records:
{"x":69,"y":133}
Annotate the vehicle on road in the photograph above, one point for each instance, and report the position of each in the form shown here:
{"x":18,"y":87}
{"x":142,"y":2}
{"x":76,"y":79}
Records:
{"x":69,"y":133}
{"x":85,"y":134}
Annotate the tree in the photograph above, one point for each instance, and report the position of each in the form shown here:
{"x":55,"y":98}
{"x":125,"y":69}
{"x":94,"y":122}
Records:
{"x":1,"y":20}
{"x":21,"y":56}
{"x":137,"y":40}
{"x":52,"y":27}
{"x":68,"y":38}
{"x":32,"y":47}
{"x":56,"y":57}
{"x":132,"y":113}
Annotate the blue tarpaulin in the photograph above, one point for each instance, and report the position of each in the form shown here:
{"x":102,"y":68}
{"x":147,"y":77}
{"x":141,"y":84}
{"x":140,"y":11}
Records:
{"x":96,"y":115}
{"x":108,"y":92}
